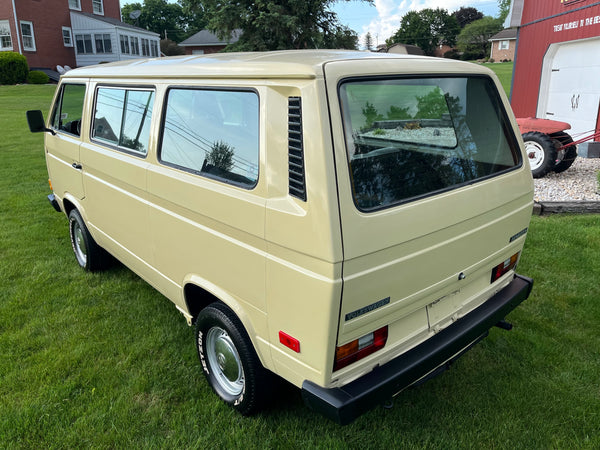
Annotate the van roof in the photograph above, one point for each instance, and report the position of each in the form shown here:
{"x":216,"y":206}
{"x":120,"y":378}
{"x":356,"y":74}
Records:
{"x":276,"y":64}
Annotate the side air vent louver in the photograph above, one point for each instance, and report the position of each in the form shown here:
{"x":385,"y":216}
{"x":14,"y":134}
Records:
{"x":297,"y":183}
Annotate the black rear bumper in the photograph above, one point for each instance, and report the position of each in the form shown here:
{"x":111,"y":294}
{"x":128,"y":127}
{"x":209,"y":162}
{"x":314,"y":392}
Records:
{"x":346,"y":403}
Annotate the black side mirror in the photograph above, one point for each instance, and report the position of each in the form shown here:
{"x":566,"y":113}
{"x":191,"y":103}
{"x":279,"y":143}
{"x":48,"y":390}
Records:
{"x":35,"y":119}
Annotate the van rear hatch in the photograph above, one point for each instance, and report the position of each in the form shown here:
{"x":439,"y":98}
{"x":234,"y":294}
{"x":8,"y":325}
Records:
{"x":435,"y":197}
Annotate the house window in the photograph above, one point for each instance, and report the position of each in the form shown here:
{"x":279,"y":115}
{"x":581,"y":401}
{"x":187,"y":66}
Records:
{"x":84,"y":44}
{"x":67,"y":37}
{"x":28,"y":38}
{"x":145,"y":47}
{"x":135,"y":45}
{"x":98,"y":7}
{"x":75,"y":4}
{"x":154,"y":48}
{"x":103,"y":43}
{"x":503,"y":45}
{"x":5,"y":40}
{"x":124,"y":45}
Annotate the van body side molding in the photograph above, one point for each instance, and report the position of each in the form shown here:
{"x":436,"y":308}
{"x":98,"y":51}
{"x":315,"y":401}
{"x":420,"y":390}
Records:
{"x":346,"y":403}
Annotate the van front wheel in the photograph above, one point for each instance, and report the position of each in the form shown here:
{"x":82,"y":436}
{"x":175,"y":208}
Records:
{"x":229,"y":361}
{"x":90,"y":256}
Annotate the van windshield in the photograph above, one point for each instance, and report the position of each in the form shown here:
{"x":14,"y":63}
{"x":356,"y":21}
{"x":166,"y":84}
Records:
{"x":412,"y":137}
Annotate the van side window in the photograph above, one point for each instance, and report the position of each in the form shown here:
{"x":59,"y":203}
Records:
{"x":213,"y":133}
{"x":122,"y":117}
{"x":68,"y":109}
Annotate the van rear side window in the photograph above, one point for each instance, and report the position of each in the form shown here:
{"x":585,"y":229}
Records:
{"x":409,"y":138}
{"x":122,"y":118}
{"x":213,"y":133}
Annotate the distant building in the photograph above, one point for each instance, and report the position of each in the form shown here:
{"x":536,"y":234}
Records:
{"x":504,"y":45}
{"x":205,"y":42}
{"x":72,"y":33}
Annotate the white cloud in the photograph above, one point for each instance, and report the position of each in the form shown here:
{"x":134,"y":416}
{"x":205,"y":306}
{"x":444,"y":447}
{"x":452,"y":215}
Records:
{"x":390,"y":12}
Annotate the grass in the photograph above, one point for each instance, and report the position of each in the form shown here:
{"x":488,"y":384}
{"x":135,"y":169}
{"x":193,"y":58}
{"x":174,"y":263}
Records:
{"x":504,"y":71}
{"x":104,"y":361}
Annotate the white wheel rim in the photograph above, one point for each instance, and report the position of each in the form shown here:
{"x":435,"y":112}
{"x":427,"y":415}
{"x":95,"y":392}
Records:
{"x":79,"y":244}
{"x":224,"y":361}
{"x":535,"y":153}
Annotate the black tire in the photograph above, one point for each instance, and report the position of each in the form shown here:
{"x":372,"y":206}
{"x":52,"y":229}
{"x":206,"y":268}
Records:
{"x":565,"y":158}
{"x":229,"y":361}
{"x":541,"y":153}
{"x":90,"y":256}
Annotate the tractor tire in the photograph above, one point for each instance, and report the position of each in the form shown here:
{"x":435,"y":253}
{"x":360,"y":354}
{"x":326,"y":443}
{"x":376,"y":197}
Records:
{"x":564,"y":158}
{"x":541,"y":152}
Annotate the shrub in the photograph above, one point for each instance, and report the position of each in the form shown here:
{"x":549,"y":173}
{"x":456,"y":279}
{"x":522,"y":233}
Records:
{"x":452,"y":54}
{"x":491,"y":60}
{"x":13,"y":68}
{"x":37,"y":77}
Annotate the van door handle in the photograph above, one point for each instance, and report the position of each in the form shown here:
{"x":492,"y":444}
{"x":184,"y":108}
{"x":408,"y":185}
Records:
{"x":76,"y":166}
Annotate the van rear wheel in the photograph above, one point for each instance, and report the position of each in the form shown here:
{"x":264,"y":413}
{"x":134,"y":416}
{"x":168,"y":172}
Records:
{"x":90,"y":256}
{"x":229,"y":361}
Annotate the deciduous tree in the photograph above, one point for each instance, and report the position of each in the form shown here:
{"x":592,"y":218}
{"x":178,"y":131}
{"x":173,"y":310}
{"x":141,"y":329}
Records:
{"x":427,"y":29}
{"x":466,"y":15}
{"x":276,"y":24}
{"x":474,"y":38}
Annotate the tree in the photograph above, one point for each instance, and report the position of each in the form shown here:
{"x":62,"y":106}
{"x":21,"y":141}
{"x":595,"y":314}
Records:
{"x":466,"y":15}
{"x":368,"y":42}
{"x":427,"y":29}
{"x":159,"y":16}
{"x":170,"y":48}
{"x":504,"y":6}
{"x":275,"y":24}
{"x":474,"y":38}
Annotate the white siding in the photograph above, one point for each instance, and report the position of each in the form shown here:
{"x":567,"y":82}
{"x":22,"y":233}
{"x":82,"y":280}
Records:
{"x":81,"y":24}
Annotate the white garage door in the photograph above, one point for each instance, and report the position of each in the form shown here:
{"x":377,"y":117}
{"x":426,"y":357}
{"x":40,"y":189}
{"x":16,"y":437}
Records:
{"x":570,"y":88}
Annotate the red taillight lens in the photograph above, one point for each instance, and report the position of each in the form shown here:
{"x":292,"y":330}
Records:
{"x":505,"y":266}
{"x":360,"y":348}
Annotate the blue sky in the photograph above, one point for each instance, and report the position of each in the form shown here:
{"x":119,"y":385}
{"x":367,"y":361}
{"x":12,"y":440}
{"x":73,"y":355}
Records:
{"x":382,"y":18}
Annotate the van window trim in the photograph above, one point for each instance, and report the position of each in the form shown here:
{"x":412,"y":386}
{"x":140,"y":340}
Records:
{"x":119,"y":148}
{"x":507,"y":129}
{"x":199,"y":173}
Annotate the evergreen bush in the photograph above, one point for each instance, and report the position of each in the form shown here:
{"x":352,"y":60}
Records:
{"x":37,"y":77}
{"x":13,"y":68}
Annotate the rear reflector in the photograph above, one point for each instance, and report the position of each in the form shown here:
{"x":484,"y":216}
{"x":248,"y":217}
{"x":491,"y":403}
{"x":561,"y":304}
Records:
{"x":289,"y":341}
{"x":505,"y":266}
{"x":360,"y":348}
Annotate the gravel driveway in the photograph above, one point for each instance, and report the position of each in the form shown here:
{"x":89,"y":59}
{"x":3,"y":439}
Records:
{"x":579,"y":182}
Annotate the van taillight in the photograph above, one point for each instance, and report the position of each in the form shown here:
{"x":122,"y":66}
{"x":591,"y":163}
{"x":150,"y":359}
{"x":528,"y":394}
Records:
{"x":360,"y":348}
{"x":505,"y":266}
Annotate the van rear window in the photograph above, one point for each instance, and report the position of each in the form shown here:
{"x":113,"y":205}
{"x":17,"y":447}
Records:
{"x":412,"y":137}
{"x":213,"y":133}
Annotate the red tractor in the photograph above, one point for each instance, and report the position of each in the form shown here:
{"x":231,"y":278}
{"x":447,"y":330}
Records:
{"x":550,"y":149}
{"x":548,"y":146}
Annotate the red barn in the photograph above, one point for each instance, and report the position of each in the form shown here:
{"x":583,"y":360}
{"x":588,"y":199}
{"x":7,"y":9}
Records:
{"x":557,"y":66}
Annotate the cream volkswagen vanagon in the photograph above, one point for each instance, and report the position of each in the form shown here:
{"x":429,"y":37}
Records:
{"x":348,"y":221}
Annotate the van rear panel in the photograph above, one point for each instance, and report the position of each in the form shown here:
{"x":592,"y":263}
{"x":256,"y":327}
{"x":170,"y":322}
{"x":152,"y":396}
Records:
{"x":434,"y":195}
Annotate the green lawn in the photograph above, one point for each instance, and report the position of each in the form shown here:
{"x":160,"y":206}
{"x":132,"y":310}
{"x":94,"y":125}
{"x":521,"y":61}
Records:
{"x":104,"y":361}
{"x":504,"y":71}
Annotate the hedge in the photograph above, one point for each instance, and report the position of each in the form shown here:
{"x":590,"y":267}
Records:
{"x":13,"y":68}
